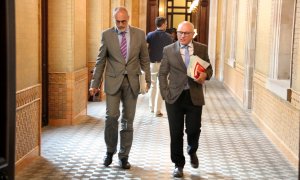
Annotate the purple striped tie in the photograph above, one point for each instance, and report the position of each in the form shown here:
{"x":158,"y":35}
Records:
{"x":123,"y":45}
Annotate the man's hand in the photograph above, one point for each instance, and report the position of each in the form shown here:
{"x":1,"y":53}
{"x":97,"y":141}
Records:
{"x":202,"y":77}
{"x":147,"y":88}
{"x":93,"y":91}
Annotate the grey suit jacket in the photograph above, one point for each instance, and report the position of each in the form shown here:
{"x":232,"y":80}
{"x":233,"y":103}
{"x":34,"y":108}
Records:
{"x":173,"y":74}
{"x":112,"y":62}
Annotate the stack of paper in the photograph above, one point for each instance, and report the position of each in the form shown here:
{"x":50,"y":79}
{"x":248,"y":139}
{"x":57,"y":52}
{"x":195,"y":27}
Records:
{"x":196,"y":66}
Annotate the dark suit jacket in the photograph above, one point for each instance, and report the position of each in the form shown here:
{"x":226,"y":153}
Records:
{"x":173,"y":74}
{"x":112,"y":62}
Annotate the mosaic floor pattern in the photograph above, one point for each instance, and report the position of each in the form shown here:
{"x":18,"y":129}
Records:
{"x":231,"y":147}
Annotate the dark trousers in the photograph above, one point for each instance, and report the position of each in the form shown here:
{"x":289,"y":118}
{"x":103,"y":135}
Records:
{"x":181,"y":113}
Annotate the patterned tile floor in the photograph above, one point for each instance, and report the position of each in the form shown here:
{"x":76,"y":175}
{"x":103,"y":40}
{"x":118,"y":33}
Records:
{"x":231,"y":147}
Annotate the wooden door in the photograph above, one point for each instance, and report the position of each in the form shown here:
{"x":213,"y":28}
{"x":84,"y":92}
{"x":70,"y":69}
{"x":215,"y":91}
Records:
{"x":152,"y":13}
{"x":201,"y":21}
{"x":44,"y":6}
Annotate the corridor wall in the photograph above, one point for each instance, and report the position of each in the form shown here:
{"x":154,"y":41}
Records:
{"x":28,"y":83}
{"x":257,"y":58}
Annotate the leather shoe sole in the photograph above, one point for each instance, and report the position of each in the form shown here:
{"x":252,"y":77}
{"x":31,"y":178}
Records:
{"x":178,"y":172}
{"x":194,"y":160}
{"x":124,"y":164}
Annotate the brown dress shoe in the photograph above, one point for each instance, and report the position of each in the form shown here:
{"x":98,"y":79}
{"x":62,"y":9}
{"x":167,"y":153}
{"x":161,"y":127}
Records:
{"x":194,"y":160}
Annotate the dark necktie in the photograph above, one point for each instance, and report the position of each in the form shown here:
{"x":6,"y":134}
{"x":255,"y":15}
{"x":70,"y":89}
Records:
{"x":123,"y":45}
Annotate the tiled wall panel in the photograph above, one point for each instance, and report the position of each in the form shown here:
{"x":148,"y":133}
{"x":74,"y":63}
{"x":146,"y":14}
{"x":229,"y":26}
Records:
{"x":28,"y":120}
{"x":67,"y":96}
{"x":279,"y":118}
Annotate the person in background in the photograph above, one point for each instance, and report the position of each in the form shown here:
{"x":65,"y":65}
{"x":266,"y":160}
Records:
{"x":157,"y":40}
{"x":183,"y":95}
{"x":173,"y":33}
{"x":123,"y":54}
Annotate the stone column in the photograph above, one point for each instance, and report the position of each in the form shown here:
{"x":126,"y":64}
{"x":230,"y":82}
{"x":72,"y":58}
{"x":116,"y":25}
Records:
{"x":67,"y":67}
{"x":98,"y":18}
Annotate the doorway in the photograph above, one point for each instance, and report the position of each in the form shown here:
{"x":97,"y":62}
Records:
{"x":8,"y":93}
{"x":44,"y":22}
{"x":177,"y":11}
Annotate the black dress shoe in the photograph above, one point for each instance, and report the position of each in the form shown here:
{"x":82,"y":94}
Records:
{"x":124,"y":163}
{"x":178,"y":172}
{"x":194,"y":160}
{"x":108,"y":159}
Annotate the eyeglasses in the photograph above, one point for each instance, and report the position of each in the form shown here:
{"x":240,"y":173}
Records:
{"x":184,"y":33}
{"x":123,"y":21}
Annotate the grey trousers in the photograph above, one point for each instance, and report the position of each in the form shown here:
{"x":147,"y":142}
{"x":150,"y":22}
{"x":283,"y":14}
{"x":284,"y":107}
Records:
{"x":127,"y":100}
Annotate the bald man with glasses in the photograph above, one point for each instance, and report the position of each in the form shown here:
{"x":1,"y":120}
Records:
{"x":183,"y":95}
{"x":123,"y":54}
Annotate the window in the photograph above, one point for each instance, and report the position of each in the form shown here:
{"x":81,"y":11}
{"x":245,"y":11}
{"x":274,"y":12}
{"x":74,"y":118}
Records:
{"x":281,"y":48}
{"x":177,"y":11}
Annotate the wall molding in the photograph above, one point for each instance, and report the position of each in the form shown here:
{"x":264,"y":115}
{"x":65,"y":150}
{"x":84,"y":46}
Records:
{"x":28,"y":125}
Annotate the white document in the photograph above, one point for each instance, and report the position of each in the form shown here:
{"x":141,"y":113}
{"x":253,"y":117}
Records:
{"x":196,"y":65}
{"x":143,"y":83}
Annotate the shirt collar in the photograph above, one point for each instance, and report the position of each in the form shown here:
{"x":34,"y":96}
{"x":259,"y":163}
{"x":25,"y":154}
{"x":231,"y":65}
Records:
{"x":119,"y":32}
{"x":189,"y":45}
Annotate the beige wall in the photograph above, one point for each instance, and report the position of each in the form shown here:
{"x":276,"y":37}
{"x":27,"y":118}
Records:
{"x":67,"y":35}
{"x":263,"y":38}
{"x":61,"y":36}
{"x":28,"y":81}
{"x":27,"y":43}
{"x":296,"y":60}
{"x":296,"y":72}
{"x":80,"y":34}
{"x":278,"y":118}
{"x":228,"y":30}
{"x":241,"y":31}
{"x":96,"y":15}
{"x":233,"y":80}
{"x":143,"y":15}
{"x":220,"y":22}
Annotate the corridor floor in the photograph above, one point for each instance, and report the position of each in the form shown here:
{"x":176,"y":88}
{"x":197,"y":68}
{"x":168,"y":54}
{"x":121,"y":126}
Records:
{"x":231,"y":147}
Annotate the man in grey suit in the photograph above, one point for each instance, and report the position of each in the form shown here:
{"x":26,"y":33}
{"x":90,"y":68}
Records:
{"x":183,"y":95}
{"x":123,"y":54}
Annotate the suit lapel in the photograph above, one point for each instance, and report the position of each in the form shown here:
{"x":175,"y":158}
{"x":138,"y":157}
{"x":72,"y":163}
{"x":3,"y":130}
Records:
{"x":116,"y":44}
{"x":131,"y":42}
{"x":196,"y":49}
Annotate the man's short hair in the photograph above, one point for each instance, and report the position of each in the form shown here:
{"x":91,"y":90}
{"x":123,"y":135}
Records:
{"x":159,"y":21}
{"x":118,"y":9}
